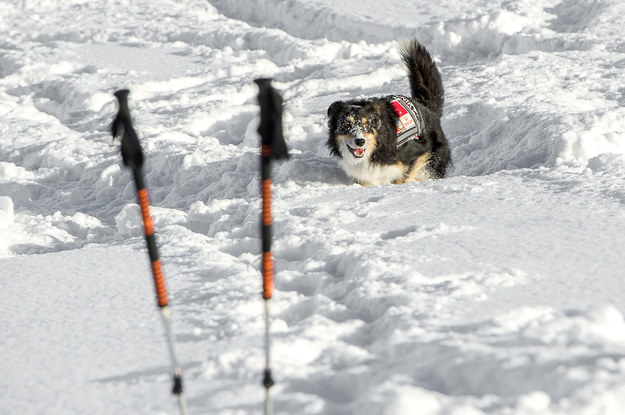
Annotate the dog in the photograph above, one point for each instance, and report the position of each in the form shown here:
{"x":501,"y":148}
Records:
{"x":394,"y":139}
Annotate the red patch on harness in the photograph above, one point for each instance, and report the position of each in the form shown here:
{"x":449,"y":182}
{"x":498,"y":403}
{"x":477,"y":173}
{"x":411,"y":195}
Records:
{"x":405,"y":119}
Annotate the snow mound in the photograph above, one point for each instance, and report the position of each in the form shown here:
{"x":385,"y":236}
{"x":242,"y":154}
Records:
{"x":7,"y":213}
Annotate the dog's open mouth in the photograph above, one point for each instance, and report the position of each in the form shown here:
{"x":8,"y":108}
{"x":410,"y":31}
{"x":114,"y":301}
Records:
{"x":357,"y":152}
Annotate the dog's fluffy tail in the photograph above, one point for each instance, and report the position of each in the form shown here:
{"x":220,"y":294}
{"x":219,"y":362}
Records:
{"x":425,"y":80}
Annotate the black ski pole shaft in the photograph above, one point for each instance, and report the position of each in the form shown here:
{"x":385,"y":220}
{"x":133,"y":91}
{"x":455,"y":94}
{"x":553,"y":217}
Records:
{"x":272,"y":146}
{"x":132,"y":155}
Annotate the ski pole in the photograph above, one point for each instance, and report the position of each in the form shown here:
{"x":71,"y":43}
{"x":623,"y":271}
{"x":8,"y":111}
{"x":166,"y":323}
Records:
{"x":272,"y":146}
{"x":132,"y":156}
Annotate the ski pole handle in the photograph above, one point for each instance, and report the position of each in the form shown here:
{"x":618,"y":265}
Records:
{"x":132,"y":155}
{"x":272,"y":146}
{"x":270,"y":128}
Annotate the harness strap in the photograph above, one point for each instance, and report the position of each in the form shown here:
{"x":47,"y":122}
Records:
{"x":409,"y":124}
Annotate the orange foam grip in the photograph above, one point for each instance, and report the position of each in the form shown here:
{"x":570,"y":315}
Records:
{"x":267,"y":275}
{"x":159,"y":284}
{"x":144,"y":204}
{"x":266,"y":194}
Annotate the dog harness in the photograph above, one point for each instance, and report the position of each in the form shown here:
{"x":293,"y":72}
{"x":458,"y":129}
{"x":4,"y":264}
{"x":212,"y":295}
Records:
{"x":409,"y":123}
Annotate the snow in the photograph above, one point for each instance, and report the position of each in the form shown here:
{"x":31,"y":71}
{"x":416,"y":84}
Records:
{"x":497,"y":290}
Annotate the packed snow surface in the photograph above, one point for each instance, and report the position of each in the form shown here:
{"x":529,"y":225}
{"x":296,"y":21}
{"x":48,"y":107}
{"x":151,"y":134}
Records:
{"x":498,"y":290}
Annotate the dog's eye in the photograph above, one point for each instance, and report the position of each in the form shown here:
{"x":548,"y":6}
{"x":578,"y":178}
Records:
{"x":344,"y":126}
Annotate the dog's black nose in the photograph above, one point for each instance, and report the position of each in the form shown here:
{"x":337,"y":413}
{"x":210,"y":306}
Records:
{"x":360,"y":142}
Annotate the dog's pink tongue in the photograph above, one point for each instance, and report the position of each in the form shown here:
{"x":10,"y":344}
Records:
{"x":359,"y":151}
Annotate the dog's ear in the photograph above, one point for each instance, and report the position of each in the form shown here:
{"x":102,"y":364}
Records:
{"x":335,"y":108}
{"x":377,"y":114}
{"x":375,"y":122}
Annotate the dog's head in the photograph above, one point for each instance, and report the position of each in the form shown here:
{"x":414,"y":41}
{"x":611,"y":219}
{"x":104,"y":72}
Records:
{"x":353,"y":127}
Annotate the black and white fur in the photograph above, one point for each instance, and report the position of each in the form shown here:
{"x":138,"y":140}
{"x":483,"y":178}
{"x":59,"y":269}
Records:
{"x":363,"y":135}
